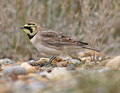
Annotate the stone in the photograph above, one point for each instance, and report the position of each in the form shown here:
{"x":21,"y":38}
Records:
{"x":62,"y":64}
{"x":6,"y":61}
{"x":114,"y":64}
{"x":13,"y":72}
{"x":75,"y":62}
{"x":29,"y":68}
{"x":104,"y":62}
{"x":70,"y":67}
{"x":60,"y":74}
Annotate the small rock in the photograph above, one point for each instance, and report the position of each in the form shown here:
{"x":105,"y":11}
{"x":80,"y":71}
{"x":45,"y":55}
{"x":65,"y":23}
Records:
{"x":32,"y":62}
{"x":57,"y":74}
{"x":70,"y":67}
{"x":86,"y":59}
{"x":6,"y":61}
{"x":75,"y":62}
{"x":104,"y":62}
{"x":62,"y":64}
{"x":13,"y":72}
{"x":29,"y":68}
{"x":114,"y":64}
{"x":60,"y":74}
{"x":56,"y":60}
{"x":43,"y":60}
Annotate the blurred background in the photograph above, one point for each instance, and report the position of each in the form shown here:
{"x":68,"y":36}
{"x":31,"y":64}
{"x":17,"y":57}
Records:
{"x":94,"y":21}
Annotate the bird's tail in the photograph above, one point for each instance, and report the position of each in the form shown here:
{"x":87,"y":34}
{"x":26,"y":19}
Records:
{"x":91,"y":49}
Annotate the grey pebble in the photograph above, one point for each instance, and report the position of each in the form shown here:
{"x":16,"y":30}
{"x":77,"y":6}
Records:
{"x":6,"y":61}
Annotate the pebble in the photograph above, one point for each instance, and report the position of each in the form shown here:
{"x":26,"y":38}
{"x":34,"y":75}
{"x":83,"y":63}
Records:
{"x":60,"y":74}
{"x":13,"y":72}
{"x":114,"y":64}
{"x":104,"y":62}
{"x":29,"y":68}
{"x":32,"y":62}
{"x":62,"y":64}
{"x":6,"y":61}
{"x":70,"y":67}
{"x":75,"y":62}
{"x":41,"y":61}
{"x":57,"y":74}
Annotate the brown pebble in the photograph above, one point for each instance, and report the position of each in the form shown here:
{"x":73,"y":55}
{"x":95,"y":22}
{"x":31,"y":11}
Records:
{"x":114,"y":64}
{"x":29,"y":68}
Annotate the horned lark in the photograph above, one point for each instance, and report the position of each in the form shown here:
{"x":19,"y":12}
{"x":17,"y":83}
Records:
{"x":51,"y":42}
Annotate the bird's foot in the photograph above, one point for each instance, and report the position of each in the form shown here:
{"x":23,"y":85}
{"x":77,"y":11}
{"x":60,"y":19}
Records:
{"x":49,"y":62}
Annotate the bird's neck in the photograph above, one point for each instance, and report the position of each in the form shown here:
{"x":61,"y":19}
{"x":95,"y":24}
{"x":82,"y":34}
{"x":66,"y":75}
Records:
{"x":31,"y":36}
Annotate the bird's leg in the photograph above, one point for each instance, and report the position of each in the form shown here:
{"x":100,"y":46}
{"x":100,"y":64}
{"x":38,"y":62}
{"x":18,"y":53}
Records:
{"x":50,"y":61}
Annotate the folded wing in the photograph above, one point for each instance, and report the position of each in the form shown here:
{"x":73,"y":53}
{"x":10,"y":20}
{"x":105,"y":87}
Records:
{"x":59,"y":39}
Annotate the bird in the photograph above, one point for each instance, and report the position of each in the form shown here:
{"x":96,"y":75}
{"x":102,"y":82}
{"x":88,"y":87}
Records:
{"x":52,"y":42}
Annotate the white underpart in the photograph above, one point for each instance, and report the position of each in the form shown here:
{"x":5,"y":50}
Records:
{"x":43,"y":49}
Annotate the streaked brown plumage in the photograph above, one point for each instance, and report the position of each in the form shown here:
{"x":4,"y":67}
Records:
{"x":51,"y":42}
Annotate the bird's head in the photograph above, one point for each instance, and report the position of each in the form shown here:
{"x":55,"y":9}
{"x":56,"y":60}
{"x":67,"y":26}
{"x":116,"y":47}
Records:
{"x":30,"y":29}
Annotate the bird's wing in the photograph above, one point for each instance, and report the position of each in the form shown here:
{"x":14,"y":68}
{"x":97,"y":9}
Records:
{"x":58,"y":39}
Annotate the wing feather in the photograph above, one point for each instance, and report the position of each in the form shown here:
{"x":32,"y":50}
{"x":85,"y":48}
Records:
{"x":59,"y":39}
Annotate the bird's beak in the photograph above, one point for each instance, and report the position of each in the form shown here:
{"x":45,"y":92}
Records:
{"x":22,"y":28}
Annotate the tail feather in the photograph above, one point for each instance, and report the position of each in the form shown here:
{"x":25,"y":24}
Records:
{"x":91,"y":49}
{"x":81,"y":43}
